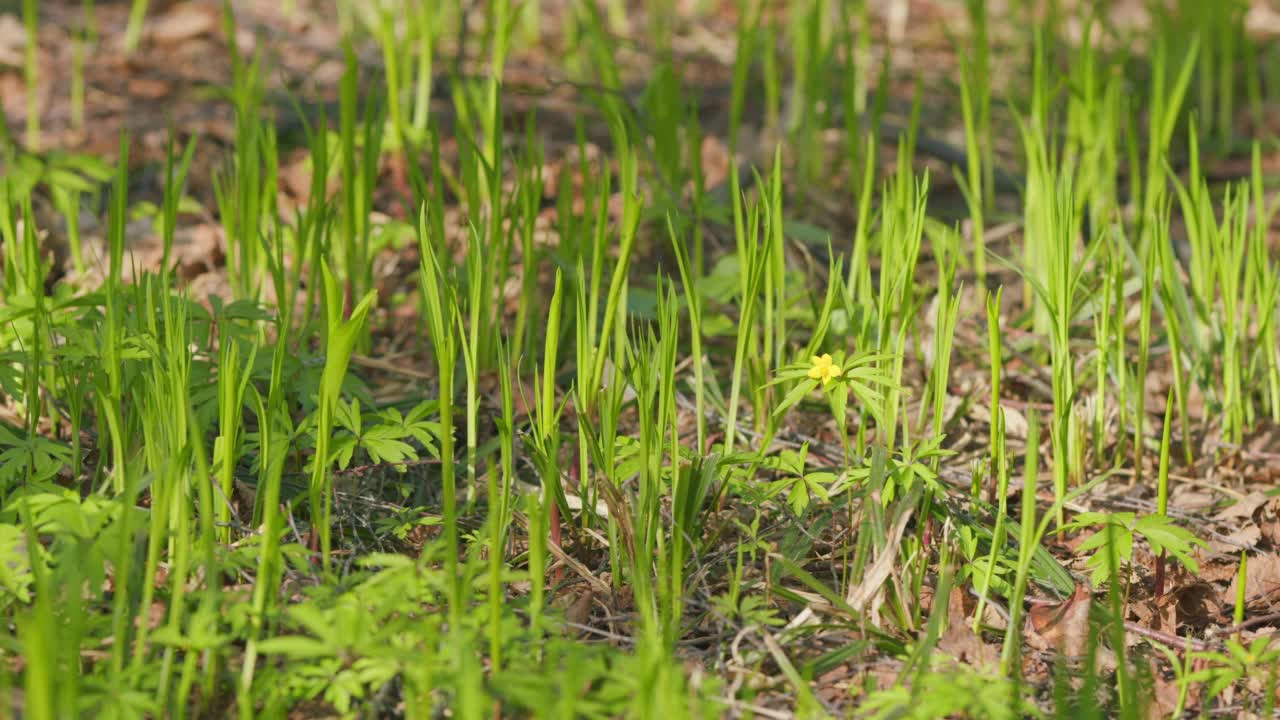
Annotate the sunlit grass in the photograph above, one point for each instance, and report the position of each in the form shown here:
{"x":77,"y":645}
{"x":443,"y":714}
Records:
{"x":669,"y":444}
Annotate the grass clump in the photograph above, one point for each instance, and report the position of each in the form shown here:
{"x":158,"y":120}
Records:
{"x":585,"y":384}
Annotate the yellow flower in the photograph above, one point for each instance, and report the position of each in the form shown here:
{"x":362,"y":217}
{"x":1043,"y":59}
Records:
{"x":824,"y":368}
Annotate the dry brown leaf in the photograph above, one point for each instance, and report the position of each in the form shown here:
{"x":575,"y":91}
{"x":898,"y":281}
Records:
{"x":1265,"y":439}
{"x":1196,"y":604}
{"x":833,"y":685}
{"x":1268,"y":519}
{"x":154,"y":617}
{"x":295,"y":177}
{"x":1262,"y":580}
{"x":1064,"y":626}
{"x":1155,"y":613}
{"x":960,"y":641}
{"x":1246,"y":536}
{"x":872,"y":581}
{"x":1245,"y":507}
{"x":1015,"y":423}
{"x":185,"y":21}
{"x":1165,"y":694}
{"x":1262,"y":19}
{"x":210,"y":284}
{"x":1214,"y":566}
{"x":13,"y":93}
{"x":580,"y":611}
{"x":13,"y":40}
{"x":1191,"y":498}
{"x":149,"y":88}
{"x":879,"y":676}
{"x":716,"y":161}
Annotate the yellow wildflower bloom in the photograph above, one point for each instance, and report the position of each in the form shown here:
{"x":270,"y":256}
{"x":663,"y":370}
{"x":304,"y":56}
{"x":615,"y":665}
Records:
{"x":824,"y":368}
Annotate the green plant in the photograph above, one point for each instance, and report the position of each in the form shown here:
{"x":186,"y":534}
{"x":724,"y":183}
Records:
{"x":31,"y":72}
{"x":1120,"y":529}
{"x":975,"y":102}
{"x":728,"y":493}
{"x":341,"y":337}
{"x":1238,"y":661}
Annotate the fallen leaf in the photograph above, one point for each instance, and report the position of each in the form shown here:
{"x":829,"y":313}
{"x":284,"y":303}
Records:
{"x":580,"y":611}
{"x":1196,"y":604}
{"x":1267,"y":518}
{"x":1191,"y":498}
{"x":960,"y":641}
{"x":873,"y":580}
{"x":1064,"y":626}
{"x":1246,"y":536}
{"x":185,"y":21}
{"x":716,"y":161}
{"x":149,"y":88}
{"x":13,"y":40}
{"x":1244,"y":507}
{"x":13,"y":92}
{"x":1165,"y":693}
{"x":1262,"y":579}
{"x":1015,"y":422}
{"x":1263,"y":20}
{"x":1157,"y":613}
{"x":198,"y":250}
